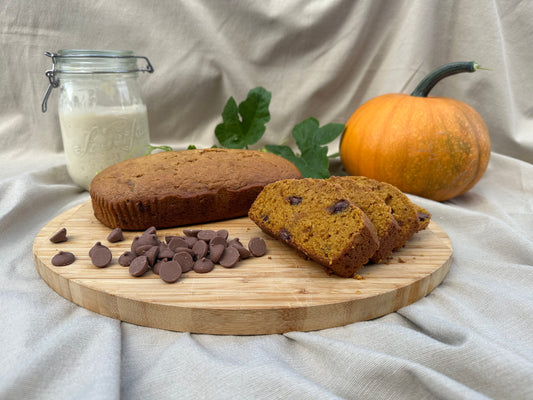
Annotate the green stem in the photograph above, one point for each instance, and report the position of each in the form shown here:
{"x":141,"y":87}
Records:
{"x":425,"y":86}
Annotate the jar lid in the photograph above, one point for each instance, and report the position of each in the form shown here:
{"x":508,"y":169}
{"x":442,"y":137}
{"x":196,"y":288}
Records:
{"x":79,"y":61}
{"x":75,"y":61}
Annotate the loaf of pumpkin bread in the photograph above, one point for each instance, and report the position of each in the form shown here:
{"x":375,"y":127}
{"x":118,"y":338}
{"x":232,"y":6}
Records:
{"x":184,"y":187}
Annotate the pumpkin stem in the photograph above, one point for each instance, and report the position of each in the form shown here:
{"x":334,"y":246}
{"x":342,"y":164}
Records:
{"x":425,"y":86}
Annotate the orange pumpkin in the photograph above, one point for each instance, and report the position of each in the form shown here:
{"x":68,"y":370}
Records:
{"x":434,"y":147}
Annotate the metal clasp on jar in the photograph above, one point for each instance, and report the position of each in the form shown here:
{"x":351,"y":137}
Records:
{"x":51,"y":74}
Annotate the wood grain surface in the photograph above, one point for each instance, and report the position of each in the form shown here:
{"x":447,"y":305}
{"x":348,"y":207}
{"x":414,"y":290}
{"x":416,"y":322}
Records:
{"x":276,"y":293}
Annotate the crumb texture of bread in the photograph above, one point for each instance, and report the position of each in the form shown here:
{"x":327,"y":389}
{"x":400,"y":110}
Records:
{"x":177,"y":188}
{"x":379,"y":213}
{"x":404,"y":210}
{"x":318,"y":219}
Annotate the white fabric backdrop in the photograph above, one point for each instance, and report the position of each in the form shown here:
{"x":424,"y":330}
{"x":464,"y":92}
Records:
{"x":471,"y":338}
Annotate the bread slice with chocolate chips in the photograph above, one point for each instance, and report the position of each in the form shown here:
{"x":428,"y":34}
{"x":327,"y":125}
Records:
{"x":379,"y":213}
{"x":406,"y":213}
{"x":318,"y":219}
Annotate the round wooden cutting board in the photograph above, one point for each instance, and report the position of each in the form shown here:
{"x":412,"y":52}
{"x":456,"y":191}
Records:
{"x":276,"y":293}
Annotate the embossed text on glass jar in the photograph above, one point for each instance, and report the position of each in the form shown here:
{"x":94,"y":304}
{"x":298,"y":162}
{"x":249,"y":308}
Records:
{"x":102,"y":115}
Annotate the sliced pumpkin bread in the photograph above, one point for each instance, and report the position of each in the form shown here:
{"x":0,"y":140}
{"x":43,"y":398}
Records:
{"x":379,"y":213}
{"x":403,"y":209}
{"x":317,"y":218}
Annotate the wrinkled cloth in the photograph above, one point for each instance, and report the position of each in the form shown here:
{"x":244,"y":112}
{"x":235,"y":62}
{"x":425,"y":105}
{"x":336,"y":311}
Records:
{"x":470,"y":338}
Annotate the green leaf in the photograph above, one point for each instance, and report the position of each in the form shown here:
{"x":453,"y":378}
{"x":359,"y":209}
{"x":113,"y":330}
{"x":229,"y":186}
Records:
{"x":313,"y":161}
{"x":308,"y":134}
{"x":229,"y":132}
{"x":244,"y":125}
{"x":282,"y":151}
{"x":316,"y":161}
{"x":328,"y":133}
{"x":303,"y":133}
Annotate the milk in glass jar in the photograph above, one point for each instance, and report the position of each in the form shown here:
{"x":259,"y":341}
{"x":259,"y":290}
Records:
{"x":102,"y":115}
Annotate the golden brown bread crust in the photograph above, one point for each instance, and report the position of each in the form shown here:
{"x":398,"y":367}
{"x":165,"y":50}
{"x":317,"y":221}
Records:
{"x":184,"y":187}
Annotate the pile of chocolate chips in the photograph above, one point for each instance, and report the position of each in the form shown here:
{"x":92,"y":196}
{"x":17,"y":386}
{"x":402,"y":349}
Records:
{"x":197,"y":250}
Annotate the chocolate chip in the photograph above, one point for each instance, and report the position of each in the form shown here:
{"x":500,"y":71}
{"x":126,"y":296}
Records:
{"x":149,"y":238}
{"x":134,"y":243}
{"x":218,"y":240}
{"x":151,"y":254}
{"x":191,"y":232}
{"x":284,"y":235}
{"x":176,"y":243}
{"x":142,"y":249}
{"x":187,"y":250}
{"x":157,"y":265}
{"x":185,"y":260}
{"x":294,"y":200}
{"x":126,"y":258}
{"x":230,"y":257}
{"x":203,"y":265}
{"x":190,"y":240}
{"x":144,"y":240}
{"x":257,"y":246}
{"x":243,"y":251}
{"x":338,"y":207}
{"x":100,"y":255}
{"x":206,"y":234}
{"x":164,"y":251}
{"x":139,"y":266}
{"x":422,"y":216}
{"x":223,"y":233}
{"x":265,"y":218}
{"x":168,"y":238}
{"x":234,"y":241}
{"x":60,"y":236}
{"x":63,"y":258}
{"x":92,"y":249}
{"x":200,"y":248}
{"x":215,"y":252}
{"x":170,"y":271}
{"x":150,"y":231}
{"x":116,"y":235}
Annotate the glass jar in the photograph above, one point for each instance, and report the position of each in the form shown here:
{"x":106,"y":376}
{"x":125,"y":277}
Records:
{"x":102,"y":115}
